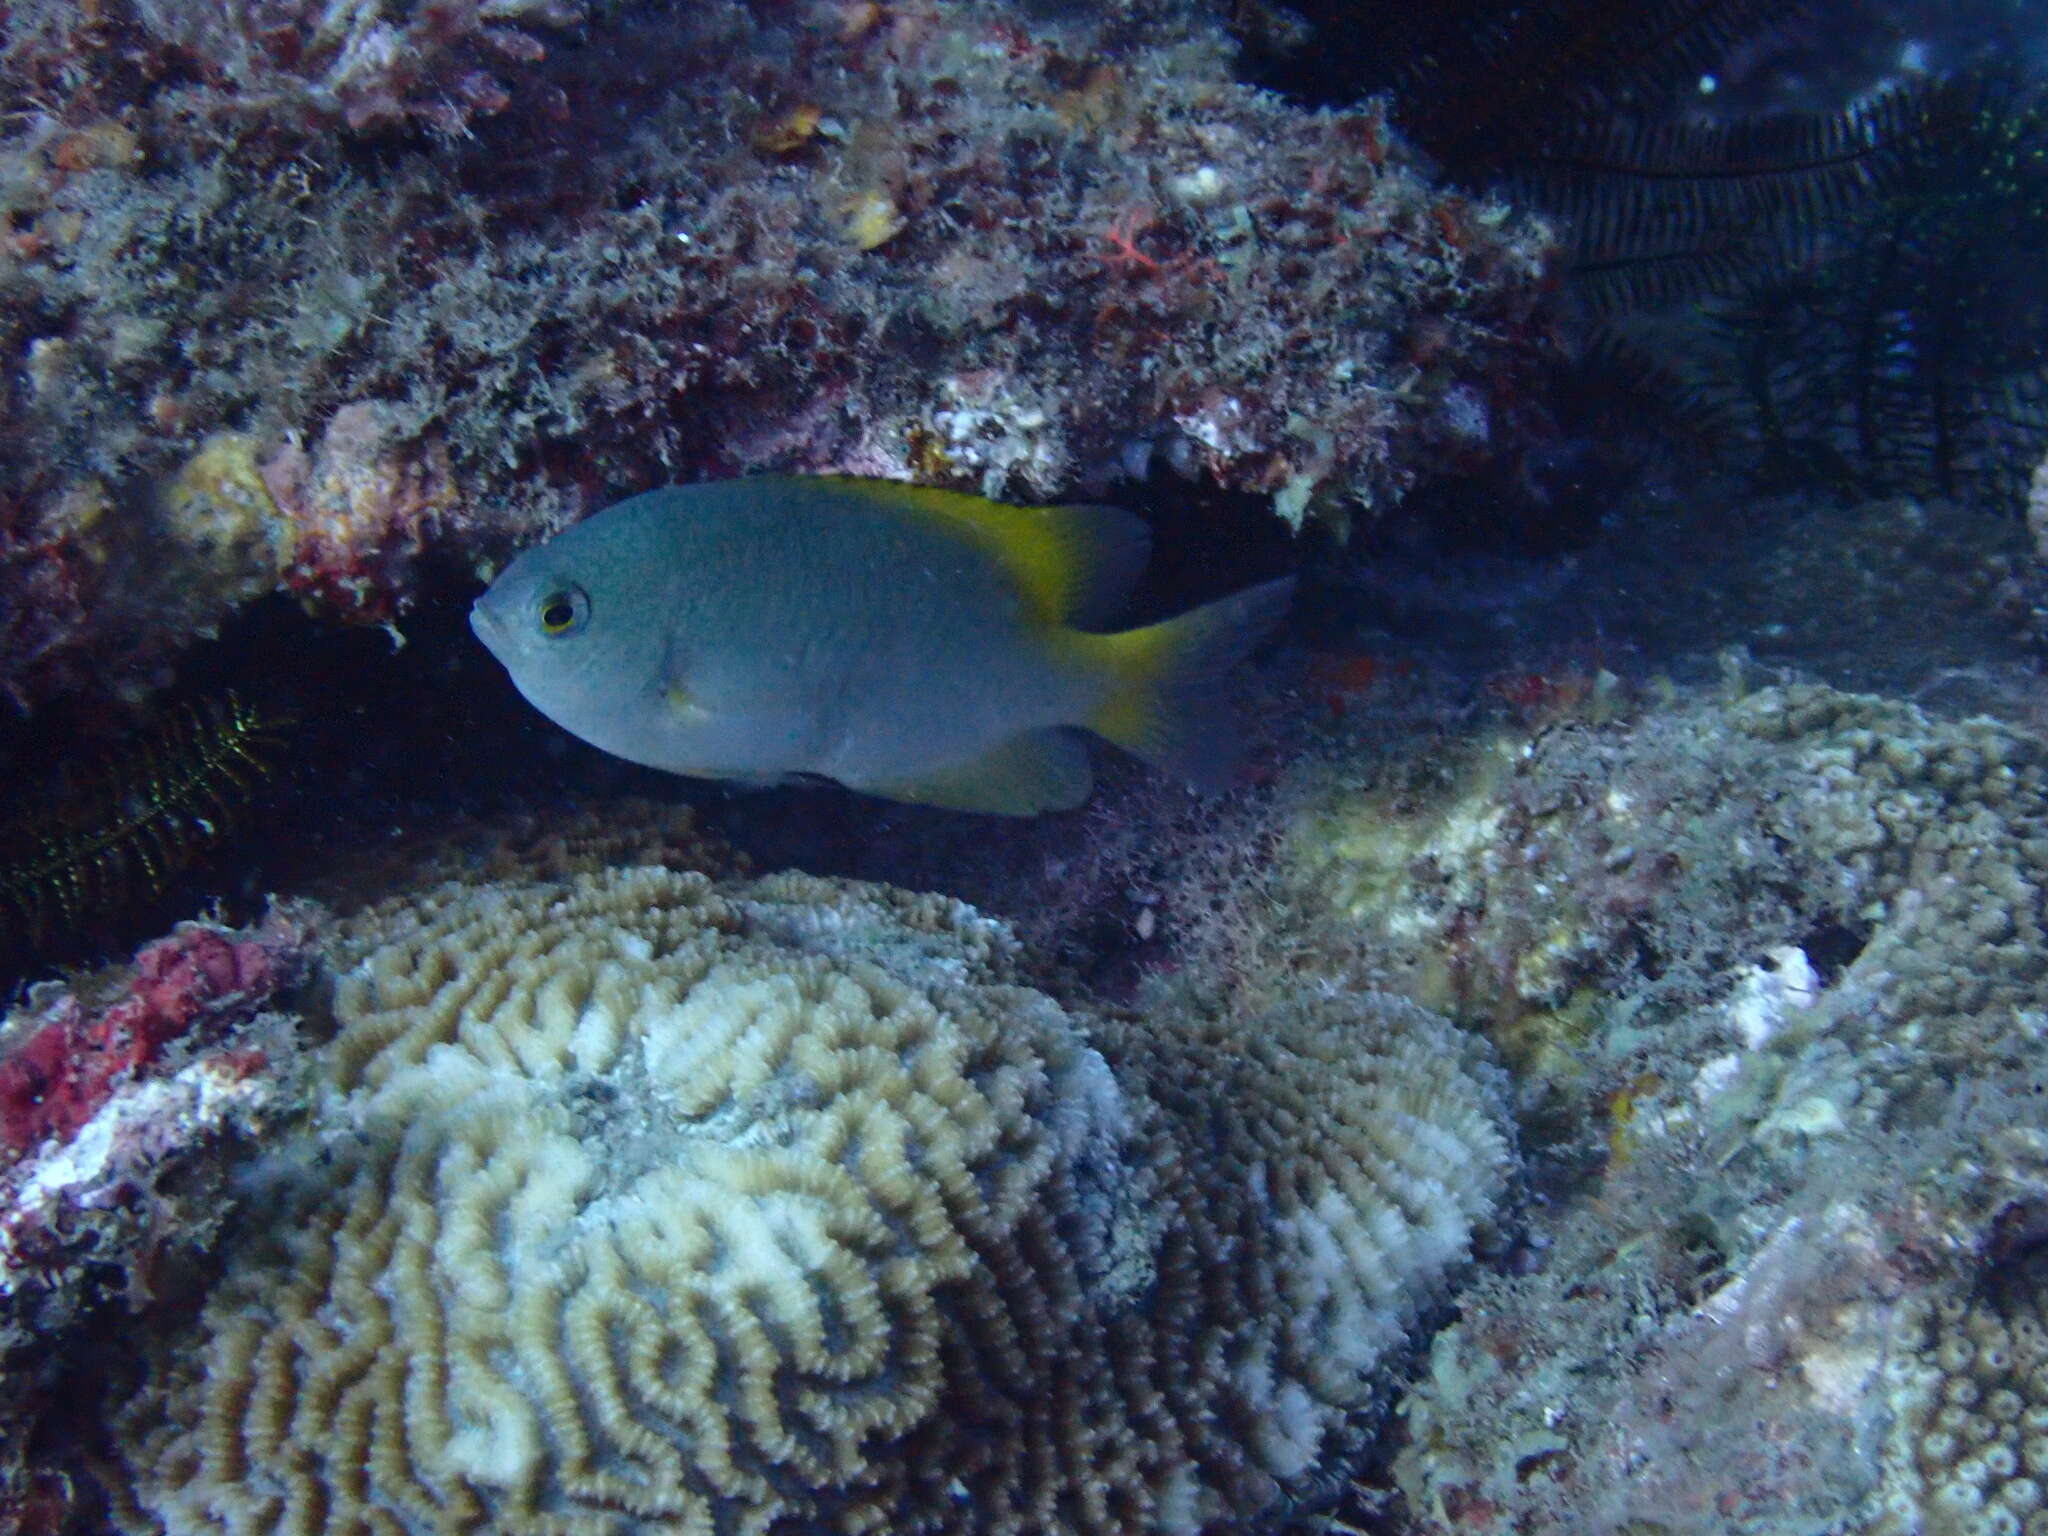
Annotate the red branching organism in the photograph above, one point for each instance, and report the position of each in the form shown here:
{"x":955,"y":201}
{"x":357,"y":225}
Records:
{"x":1120,"y":241}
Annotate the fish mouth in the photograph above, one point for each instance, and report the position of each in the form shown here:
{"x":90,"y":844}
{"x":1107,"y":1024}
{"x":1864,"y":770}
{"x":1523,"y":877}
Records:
{"x":485,"y":626}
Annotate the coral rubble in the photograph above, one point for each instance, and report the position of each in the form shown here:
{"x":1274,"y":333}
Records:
{"x":1020,"y":252}
{"x":638,"y":1199}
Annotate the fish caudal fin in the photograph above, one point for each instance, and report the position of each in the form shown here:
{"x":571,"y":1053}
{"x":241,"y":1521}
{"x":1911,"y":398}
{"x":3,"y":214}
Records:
{"x":1168,"y":698}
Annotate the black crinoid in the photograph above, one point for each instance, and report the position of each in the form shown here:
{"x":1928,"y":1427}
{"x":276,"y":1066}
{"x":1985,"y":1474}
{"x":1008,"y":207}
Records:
{"x":1858,"y":297}
{"x":1562,"y":104}
{"x":1854,"y":297}
{"x":1903,"y":345}
{"x":1487,"y":86}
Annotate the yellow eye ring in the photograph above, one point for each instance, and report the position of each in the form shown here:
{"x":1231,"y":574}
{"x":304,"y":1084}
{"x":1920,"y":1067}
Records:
{"x":562,"y":611}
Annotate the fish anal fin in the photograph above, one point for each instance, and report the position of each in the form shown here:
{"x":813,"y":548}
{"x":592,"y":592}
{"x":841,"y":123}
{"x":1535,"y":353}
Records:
{"x":1027,"y":775}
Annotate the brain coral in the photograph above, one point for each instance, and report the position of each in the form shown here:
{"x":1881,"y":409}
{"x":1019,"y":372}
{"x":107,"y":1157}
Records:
{"x":634,"y":1203}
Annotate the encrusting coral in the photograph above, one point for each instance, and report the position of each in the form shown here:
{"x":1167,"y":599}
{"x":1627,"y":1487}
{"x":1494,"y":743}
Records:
{"x":1524,"y":878}
{"x":106,"y":1087}
{"x":1968,"y":1452}
{"x":1769,"y":963}
{"x":633,"y":1201}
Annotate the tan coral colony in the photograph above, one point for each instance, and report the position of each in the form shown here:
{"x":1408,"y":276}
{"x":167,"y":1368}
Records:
{"x":638,"y":1203}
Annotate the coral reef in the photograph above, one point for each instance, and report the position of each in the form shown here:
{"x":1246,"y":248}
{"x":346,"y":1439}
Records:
{"x":527,"y":847}
{"x":358,"y":509}
{"x":1769,"y":963}
{"x":1522,"y":879}
{"x":637,"y":1199}
{"x":338,"y":527}
{"x":118,"y":1098}
{"x":1019,"y":252}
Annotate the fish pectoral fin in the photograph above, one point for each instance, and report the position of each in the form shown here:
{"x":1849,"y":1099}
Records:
{"x":685,"y":707}
{"x":1027,"y":775}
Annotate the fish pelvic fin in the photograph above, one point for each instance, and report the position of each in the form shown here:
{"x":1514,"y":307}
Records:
{"x":1027,"y":775}
{"x":1168,"y":700}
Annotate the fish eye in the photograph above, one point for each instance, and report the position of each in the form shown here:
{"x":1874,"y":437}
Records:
{"x":563,"y":611}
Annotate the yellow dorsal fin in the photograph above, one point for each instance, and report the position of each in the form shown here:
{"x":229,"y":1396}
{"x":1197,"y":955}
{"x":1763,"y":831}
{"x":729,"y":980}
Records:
{"x":1074,"y":564}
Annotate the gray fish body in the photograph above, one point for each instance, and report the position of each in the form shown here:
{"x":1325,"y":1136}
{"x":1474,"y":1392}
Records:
{"x":754,"y":629}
